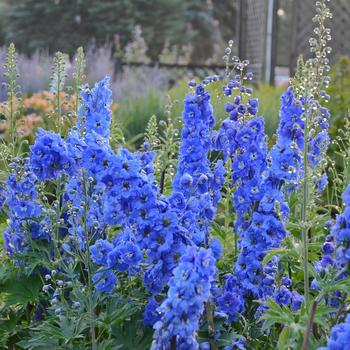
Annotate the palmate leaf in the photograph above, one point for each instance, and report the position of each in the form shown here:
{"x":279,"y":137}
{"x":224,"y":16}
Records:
{"x":38,"y":344}
{"x":132,"y":335}
{"x":108,"y":345}
{"x":17,"y":288}
{"x":61,"y":333}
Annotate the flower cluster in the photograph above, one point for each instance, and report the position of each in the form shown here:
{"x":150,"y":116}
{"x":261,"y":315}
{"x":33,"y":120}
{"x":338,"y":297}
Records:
{"x":258,"y":199}
{"x":286,"y":159}
{"x":24,"y":210}
{"x":2,"y":196}
{"x":335,"y":250}
{"x":318,"y":144}
{"x":50,"y":156}
{"x":122,"y":255}
{"x":340,"y":336}
{"x":189,"y":289}
{"x":230,"y":299}
{"x":196,"y":186}
{"x":341,"y":233}
{"x":123,"y":189}
{"x":94,"y":114}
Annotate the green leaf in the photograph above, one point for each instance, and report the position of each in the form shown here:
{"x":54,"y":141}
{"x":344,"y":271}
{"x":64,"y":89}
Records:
{"x":283,"y":339}
{"x":21,"y":290}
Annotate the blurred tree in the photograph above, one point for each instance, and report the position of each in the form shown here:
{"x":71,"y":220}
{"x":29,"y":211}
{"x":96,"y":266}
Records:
{"x":224,"y":11}
{"x":66,"y":24}
{"x":47,"y":24}
{"x":2,"y":25}
{"x":204,"y":29}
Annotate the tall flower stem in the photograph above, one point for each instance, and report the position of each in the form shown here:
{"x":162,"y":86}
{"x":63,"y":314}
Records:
{"x":211,"y":326}
{"x":11,"y":66}
{"x":304,"y":214}
{"x":88,"y":266}
{"x":58,"y":101}
{"x":309,"y":326}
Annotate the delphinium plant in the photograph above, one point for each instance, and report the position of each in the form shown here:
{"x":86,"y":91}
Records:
{"x":208,"y":239}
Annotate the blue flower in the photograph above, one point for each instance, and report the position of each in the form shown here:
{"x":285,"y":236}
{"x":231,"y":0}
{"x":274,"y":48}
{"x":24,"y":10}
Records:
{"x":216,"y":247}
{"x":231,"y":300}
{"x":195,"y":178}
{"x":283,"y":296}
{"x":2,"y":196}
{"x":124,"y":257}
{"x":297,"y":300}
{"x":94,"y":114}
{"x":346,"y":195}
{"x":104,"y":280}
{"x":50,"y":156}
{"x":189,"y":289}
{"x":24,"y":210}
{"x":100,"y":250}
{"x":151,"y":314}
{"x":340,"y":336}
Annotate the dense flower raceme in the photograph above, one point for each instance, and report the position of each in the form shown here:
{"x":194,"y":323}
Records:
{"x":24,"y":211}
{"x":128,"y":198}
{"x":132,"y":201}
{"x":259,"y":200}
{"x":196,"y":186}
{"x":286,"y":159}
{"x":95,"y":114}
{"x":340,"y":336}
{"x":89,"y":146}
{"x":336,"y":249}
{"x":2,"y":196}
{"x":189,"y":289}
{"x":50,"y":156}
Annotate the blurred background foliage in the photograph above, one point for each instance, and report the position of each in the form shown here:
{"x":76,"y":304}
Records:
{"x":165,"y":31}
{"x":67,"y":24}
{"x":140,"y":93}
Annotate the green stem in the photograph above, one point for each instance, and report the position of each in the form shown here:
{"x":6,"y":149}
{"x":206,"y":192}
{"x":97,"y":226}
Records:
{"x":310,"y":323}
{"x":11,"y":63}
{"x":211,"y":325}
{"x":88,"y":267}
{"x":12,"y":118}
{"x":304,"y":216}
{"x":58,"y":101}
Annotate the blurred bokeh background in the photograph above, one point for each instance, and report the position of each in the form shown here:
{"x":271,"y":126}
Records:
{"x":151,"y":48}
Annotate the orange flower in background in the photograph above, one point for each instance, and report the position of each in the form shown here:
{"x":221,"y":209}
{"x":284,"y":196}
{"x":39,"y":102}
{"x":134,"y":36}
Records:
{"x":40,"y":101}
{"x":114,"y":106}
{"x":36,"y":107}
{"x":27,"y":123}
{"x":44,"y":101}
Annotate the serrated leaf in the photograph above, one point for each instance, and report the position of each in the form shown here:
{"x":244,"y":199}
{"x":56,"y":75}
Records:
{"x":22,"y":290}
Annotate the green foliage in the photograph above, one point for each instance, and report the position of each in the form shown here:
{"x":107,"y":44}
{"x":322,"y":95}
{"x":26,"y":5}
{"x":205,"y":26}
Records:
{"x":164,"y":139}
{"x":133,"y":114}
{"x":67,"y":24}
{"x":114,"y":321}
{"x":339,"y":89}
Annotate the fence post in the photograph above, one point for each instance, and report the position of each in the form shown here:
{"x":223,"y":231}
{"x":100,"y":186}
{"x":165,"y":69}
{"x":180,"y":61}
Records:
{"x":242,"y":33}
